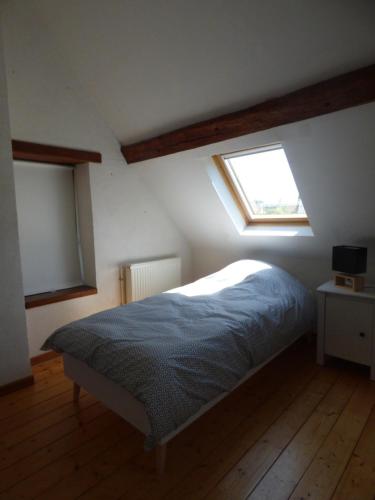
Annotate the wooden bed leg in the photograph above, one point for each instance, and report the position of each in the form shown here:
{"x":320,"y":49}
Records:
{"x":161,"y":455}
{"x":76,"y":391}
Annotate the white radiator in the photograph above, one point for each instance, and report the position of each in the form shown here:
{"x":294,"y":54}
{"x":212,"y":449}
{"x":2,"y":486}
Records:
{"x":143,"y":279}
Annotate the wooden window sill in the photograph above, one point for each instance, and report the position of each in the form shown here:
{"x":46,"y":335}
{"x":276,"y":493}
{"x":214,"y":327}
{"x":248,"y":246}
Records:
{"x":42,"y":299}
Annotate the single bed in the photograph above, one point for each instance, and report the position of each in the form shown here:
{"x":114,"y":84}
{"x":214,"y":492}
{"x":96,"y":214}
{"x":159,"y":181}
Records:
{"x":162,"y":362}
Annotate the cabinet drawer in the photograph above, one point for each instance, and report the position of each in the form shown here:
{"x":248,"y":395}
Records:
{"x":348,"y":329}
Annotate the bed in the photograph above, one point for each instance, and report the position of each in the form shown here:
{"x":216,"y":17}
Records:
{"x":163,"y":361}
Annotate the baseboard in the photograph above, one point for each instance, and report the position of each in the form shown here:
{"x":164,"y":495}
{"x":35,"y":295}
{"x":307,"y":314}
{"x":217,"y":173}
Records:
{"x":46,"y":356}
{"x":17,"y":384}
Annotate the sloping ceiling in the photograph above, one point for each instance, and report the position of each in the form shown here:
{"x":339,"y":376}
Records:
{"x":333,"y":162}
{"x":153,"y":65}
{"x":149,"y":66}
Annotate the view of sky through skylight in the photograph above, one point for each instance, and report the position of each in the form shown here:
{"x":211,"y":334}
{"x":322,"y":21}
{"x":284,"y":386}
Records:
{"x":267,"y":183}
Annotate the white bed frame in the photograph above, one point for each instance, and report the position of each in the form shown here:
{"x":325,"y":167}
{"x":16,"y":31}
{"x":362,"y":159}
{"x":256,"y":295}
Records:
{"x":128,"y":407}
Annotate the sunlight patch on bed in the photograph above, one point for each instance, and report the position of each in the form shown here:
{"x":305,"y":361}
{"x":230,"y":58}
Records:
{"x":227,"y":277}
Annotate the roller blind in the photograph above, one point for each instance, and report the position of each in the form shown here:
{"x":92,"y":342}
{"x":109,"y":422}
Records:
{"x":48,"y":235}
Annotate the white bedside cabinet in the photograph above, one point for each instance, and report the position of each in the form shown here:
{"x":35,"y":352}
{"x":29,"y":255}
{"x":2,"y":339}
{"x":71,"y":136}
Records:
{"x":346,"y":325}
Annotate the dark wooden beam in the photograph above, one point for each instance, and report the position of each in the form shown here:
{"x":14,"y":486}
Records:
{"x":335,"y":94}
{"x":31,"y":151}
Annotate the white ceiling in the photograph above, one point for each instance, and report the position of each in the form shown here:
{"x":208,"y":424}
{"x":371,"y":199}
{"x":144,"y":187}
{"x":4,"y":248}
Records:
{"x":150,"y":66}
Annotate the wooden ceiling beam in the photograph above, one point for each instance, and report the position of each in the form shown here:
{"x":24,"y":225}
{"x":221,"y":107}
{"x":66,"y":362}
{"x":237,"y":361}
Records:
{"x":341,"y":92}
{"x":42,"y":153}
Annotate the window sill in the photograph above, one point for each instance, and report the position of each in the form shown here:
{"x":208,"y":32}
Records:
{"x":277,"y":230}
{"x":42,"y":299}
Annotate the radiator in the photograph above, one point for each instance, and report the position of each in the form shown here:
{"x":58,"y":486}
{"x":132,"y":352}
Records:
{"x":143,"y":279}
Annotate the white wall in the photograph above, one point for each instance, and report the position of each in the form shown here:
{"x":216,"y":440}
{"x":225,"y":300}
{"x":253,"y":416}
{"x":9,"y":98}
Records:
{"x":144,"y":76}
{"x":150,"y":67}
{"x":14,"y":362}
{"x":46,"y":105}
{"x":333,"y":161}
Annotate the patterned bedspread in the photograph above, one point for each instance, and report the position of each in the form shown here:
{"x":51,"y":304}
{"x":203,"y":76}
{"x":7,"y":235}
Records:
{"x":177,"y":351}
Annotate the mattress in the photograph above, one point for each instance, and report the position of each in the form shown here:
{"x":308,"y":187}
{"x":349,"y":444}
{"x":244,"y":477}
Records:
{"x":177,"y":351}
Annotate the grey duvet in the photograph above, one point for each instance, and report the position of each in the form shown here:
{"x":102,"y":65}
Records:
{"x":177,"y":351}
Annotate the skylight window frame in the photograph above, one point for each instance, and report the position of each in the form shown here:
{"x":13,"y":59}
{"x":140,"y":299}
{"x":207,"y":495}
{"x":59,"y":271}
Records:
{"x":239,"y":196}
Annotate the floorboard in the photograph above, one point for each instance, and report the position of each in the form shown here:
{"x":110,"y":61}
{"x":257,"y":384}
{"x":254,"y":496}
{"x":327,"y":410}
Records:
{"x":30,"y":465}
{"x":358,"y":480}
{"x":281,"y":479}
{"x":256,"y":461}
{"x":322,"y":476}
{"x":293,"y":431}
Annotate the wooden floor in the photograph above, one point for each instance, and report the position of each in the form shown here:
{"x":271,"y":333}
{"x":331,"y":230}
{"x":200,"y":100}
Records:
{"x":295,"y":430}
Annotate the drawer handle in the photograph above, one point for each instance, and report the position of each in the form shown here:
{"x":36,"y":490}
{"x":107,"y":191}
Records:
{"x":362,"y":334}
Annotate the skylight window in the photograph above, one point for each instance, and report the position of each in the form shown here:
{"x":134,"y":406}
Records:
{"x":263,"y":186}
